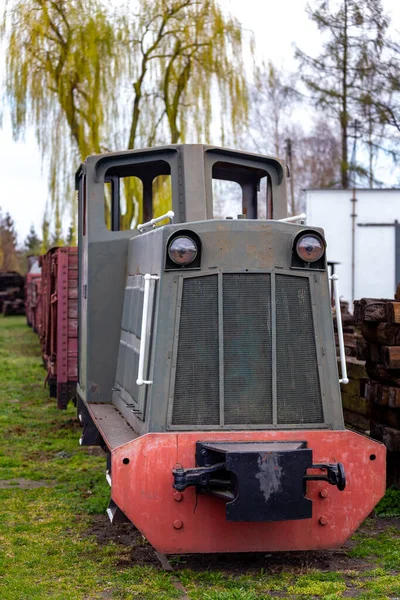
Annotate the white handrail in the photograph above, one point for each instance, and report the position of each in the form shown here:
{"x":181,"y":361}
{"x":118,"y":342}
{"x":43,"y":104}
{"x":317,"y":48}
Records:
{"x":169,"y":215}
{"x":301,"y":217}
{"x":334,"y":279}
{"x":145,"y":313}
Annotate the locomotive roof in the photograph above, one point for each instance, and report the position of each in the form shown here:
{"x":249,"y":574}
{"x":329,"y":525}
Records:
{"x":229,"y":152}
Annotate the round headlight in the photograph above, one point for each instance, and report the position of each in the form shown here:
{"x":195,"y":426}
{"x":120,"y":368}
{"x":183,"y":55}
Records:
{"x":310,"y":248}
{"x":182,"y":250}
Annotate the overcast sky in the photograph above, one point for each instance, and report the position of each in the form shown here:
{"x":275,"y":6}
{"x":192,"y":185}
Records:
{"x":276,"y":26}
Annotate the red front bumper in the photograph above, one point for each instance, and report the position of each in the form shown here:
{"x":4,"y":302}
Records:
{"x":176,"y":523}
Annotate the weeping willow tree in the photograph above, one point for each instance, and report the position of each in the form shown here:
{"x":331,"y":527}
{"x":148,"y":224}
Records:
{"x":185,"y":57}
{"x":183,"y":54}
{"x":90,"y":79}
{"x":61,"y":57}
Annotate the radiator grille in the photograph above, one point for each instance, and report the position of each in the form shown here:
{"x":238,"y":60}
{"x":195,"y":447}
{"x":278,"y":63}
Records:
{"x":298,"y":388}
{"x":196,"y":400}
{"x":227,"y":333}
{"x":247,"y":348}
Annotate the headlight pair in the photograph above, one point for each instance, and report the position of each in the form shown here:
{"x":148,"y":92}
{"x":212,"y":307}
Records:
{"x":184,"y":250}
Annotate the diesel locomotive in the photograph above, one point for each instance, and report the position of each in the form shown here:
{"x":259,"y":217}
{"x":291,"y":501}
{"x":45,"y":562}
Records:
{"x":207,"y":367}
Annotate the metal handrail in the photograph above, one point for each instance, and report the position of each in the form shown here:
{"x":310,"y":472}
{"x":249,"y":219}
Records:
{"x":301,"y":218}
{"x":169,"y":215}
{"x":145,"y":314}
{"x":334,"y":279}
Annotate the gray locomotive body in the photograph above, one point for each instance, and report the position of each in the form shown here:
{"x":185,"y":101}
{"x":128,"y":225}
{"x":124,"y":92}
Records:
{"x":207,"y":365}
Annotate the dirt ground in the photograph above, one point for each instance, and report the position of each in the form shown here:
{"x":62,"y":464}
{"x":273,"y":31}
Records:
{"x":141,"y":553}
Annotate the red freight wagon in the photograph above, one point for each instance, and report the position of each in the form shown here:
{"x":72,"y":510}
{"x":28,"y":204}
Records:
{"x":59,"y":332}
{"x":33,"y":305}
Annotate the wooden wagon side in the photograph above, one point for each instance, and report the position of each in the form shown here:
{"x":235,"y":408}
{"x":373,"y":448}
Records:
{"x":60,"y":322}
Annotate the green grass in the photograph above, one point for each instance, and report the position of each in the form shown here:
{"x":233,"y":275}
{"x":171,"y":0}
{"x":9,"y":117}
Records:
{"x":389,"y":506}
{"x":44,"y":549}
{"x":47,"y":551}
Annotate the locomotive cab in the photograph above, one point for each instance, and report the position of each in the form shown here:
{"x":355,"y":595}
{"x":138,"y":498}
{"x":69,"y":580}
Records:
{"x":207,"y":365}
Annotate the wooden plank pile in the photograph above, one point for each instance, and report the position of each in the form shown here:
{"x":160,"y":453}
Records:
{"x":351,"y":333}
{"x":356,"y":408}
{"x":379,"y":401}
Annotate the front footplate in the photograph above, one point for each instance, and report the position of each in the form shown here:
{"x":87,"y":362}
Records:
{"x":261,"y":481}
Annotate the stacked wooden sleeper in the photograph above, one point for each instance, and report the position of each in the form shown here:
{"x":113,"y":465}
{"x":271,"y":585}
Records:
{"x":356,"y":408}
{"x":351,"y":333}
{"x":380,"y":348}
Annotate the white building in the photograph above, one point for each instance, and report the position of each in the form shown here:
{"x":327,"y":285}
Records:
{"x":373,"y":233}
